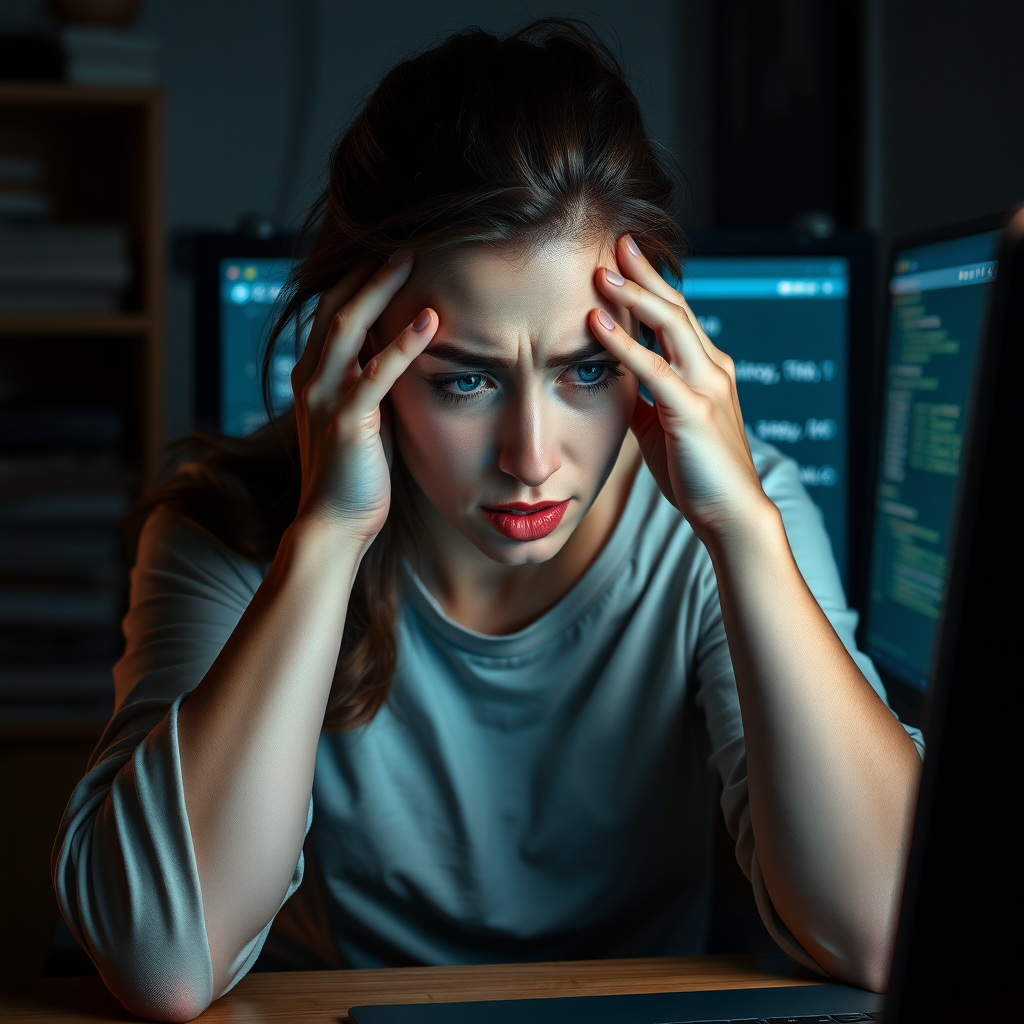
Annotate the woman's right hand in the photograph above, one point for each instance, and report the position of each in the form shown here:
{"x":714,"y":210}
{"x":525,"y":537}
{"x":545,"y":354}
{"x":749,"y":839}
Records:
{"x":345,"y":471}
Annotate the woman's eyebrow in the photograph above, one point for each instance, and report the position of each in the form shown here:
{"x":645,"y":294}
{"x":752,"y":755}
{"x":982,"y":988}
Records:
{"x":460,"y":357}
{"x":581,"y":355}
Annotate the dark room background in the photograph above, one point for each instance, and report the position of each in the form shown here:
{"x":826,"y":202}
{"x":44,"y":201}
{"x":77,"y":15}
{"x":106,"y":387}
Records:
{"x":886,"y":115}
{"x":883,"y":115}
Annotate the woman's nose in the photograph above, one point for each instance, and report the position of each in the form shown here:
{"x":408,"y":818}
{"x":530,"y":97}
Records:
{"x":529,"y":448}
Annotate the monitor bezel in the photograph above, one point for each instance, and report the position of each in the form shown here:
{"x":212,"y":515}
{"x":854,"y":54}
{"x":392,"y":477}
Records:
{"x":859,"y":248}
{"x":907,"y":701}
{"x":206,"y":251}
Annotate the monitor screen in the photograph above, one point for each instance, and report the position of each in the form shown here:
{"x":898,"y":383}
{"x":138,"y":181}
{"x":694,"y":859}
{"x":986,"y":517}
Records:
{"x":249,"y":289}
{"x":938,"y":298}
{"x":785,"y":322}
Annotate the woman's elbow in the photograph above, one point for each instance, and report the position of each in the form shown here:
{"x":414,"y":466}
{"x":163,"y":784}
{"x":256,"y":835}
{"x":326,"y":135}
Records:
{"x":158,"y":992}
{"x":864,"y":960}
{"x":870,"y":971}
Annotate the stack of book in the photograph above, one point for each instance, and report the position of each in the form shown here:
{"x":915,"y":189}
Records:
{"x":99,"y":55}
{"x":21,"y":194}
{"x":63,"y":268}
{"x":62,"y":559}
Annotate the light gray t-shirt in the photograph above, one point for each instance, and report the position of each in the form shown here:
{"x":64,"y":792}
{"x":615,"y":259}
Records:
{"x":549,"y":794}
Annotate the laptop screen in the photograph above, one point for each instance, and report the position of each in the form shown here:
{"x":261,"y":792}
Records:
{"x":938,"y":299}
{"x":785,"y":322}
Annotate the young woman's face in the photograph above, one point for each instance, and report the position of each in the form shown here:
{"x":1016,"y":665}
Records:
{"x":511,"y":420}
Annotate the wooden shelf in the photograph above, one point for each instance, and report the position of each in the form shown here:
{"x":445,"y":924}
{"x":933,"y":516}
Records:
{"x":30,"y":729}
{"x":74,"y":323}
{"x":59,"y":94}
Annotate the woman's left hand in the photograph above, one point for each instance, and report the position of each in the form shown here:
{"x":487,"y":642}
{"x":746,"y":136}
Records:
{"x":692,"y":438}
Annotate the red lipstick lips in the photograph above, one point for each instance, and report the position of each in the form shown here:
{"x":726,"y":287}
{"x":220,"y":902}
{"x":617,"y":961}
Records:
{"x":520,"y":521}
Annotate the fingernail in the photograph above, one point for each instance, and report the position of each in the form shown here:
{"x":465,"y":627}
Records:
{"x":632,"y":246}
{"x":606,"y":321}
{"x":400,"y":256}
{"x":614,"y":278}
{"x":421,"y":321}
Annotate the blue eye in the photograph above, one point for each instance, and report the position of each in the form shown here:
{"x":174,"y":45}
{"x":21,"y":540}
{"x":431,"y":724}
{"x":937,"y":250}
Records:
{"x":589,"y":372}
{"x":463,"y":387}
{"x":590,"y":378}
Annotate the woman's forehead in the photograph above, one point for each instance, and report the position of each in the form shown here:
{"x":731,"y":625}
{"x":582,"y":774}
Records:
{"x":488,"y":289}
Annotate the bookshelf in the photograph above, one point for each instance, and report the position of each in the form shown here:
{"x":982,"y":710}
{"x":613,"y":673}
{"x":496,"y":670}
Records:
{"x":100,"y":160}
{"x":102,"y":153}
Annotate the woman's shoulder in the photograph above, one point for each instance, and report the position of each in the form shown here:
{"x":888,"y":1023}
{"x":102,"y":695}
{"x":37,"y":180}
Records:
{"x":171,"y":542}
{"x":773,"y":467}
{"x":187,"y":592}
{"x":223,"y":508}
{"x":782,"y":480}
{"x":809,"y":540}
{"x":661,"y":537}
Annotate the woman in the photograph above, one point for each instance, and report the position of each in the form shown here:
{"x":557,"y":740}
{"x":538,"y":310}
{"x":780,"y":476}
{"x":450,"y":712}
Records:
{"x":455,"y":646}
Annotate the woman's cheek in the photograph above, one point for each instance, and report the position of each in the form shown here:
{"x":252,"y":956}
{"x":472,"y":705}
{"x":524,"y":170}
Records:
{"x":443,"y":452}
{"x":596,"y":430}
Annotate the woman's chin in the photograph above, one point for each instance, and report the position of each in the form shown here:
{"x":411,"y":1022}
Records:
{"x":510,"y":551}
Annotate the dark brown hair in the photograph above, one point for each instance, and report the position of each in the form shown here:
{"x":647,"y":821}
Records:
{"x":480,"y":140}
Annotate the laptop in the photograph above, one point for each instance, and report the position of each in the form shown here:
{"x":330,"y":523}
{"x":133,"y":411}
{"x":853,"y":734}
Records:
{"x":956,"y":949}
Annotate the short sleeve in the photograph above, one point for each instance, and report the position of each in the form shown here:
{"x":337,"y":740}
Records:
{"x":123,"y":864}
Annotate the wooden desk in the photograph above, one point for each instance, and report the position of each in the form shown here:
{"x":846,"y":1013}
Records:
{"x":323,"y":997}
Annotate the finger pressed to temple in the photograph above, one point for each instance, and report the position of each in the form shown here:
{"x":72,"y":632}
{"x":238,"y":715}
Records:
{"x":381,"y":372}
{"x":330,"y":301}
{"x":652,"y":370}
{"x":669,"y":321}
{"x":640,"y":270}
{"x":351,"y":322}
{"x":636,"y":267}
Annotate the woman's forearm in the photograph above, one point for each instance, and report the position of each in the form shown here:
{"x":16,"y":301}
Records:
{"x":832,"y":775}
{"x":248,"y":735}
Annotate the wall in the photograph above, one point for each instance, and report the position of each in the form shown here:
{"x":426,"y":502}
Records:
{"x":942,"y":109}
{"x":952,"y":118}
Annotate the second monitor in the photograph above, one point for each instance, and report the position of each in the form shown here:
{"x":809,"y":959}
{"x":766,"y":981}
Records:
{"x":794,"y":314}
{"x":940,"y":286}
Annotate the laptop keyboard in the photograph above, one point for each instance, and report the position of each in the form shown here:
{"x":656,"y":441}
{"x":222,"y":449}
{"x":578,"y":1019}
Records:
{"x":817,"y":1018}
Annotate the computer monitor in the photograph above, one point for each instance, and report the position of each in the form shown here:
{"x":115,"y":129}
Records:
{"x":955,"y":956}
{"x":794,"y":312}
{"x":939,"y":289}
{"x":237,"y":291}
